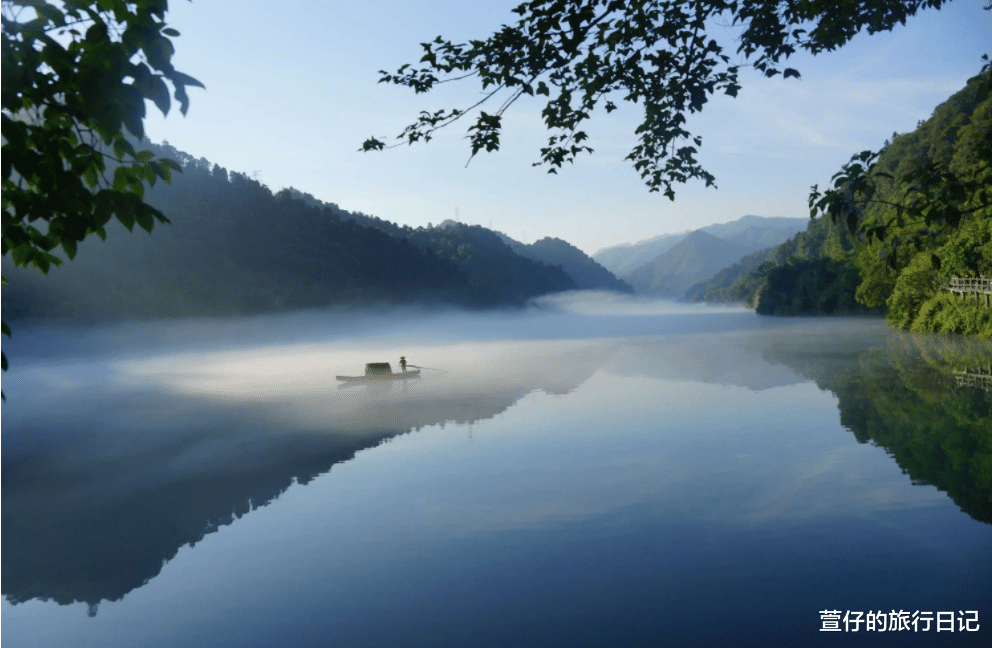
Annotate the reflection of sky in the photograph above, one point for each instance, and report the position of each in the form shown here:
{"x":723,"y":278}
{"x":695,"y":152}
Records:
{"x":777,"y":457}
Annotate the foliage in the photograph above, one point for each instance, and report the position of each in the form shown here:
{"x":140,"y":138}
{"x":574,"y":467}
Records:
{"x":945,"y":312}
{"x":821,"y":286}
{"x":902,"y":223}
{"x":924,"y":229}
{"x":585,"y":55}
{"x":75,"y":80}
{"x":944,"y":179}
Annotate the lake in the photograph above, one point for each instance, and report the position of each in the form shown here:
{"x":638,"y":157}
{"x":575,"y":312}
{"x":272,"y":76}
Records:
{"x":591,"y":471}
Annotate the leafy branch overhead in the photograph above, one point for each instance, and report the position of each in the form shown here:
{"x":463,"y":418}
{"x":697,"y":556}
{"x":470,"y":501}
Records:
{"x":586,"y":55}
{"x":75,"y":79}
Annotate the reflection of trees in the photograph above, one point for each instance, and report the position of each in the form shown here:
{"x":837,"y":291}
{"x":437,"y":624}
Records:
{"x":978,"y":377}
{"x":97,"y":535}
{"x":901,"y":394}
{"x":94,"y":526}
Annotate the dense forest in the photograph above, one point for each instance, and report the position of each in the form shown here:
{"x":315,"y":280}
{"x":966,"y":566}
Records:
{"x":234,"y":247}
{"x":827,"y":270}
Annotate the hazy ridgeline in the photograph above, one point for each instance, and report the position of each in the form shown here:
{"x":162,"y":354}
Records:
{"x":235,"y":248}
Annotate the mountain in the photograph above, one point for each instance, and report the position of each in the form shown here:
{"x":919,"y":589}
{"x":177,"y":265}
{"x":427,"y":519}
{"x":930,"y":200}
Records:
{"x":584,"y":271}
{"x":755,"y":232}
{"x":621,"y":260}
{"x":233,"y":247}
{"x":734,"y":284}
{"x":497,"y":275}
{"x":698,"y":256}
{"x":810,"y":274}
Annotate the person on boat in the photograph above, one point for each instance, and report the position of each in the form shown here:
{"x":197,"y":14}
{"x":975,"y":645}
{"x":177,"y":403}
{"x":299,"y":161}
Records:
{"x":403,"y":364}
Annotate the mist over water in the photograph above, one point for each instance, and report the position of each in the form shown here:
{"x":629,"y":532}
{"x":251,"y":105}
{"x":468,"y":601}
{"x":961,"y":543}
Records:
{"x":630,"y":443}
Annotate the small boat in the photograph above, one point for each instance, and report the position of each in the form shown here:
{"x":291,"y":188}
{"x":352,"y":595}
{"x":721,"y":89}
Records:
{"x":378,"y":371}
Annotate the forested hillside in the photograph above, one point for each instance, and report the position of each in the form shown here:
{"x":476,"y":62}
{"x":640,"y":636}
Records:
{"x":234,"y":247}
{"x":810,"y":274}
{"x":826,"y":270}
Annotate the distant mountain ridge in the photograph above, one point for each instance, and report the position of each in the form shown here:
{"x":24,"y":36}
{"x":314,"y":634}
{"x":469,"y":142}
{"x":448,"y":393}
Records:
{"x":755,"y":232}
{"x":697,"y":256}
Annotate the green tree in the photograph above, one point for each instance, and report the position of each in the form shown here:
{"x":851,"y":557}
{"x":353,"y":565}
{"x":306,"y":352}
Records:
{"x":75,"y":79}
{"x":584,"y":55}
{"x":947,"y":183}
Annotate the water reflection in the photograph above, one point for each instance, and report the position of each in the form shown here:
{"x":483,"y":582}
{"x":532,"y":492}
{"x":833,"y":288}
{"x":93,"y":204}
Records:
{"x":905,"y":393}
{"x":108,"y":474}
{"x":103,"y":489}
{"x":978,"y":377}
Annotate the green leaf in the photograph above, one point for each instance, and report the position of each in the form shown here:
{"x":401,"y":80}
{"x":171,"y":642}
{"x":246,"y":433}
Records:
{"x":121,"y":179}
{"x":158,"y":92}
{"x":372,"y":144}
{"x":90,"y":176}
{"x":70,"y":248}
{"x":22,"y":254}
{"x":126,"y":217}
{"x":54,"y":14}
{"x":145,"y":220}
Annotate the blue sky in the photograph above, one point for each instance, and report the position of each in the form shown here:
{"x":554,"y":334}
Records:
{"x":292,"y":92}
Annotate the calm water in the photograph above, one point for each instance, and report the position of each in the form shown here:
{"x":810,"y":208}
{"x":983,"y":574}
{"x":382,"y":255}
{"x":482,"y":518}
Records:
{"x":587,"y":473}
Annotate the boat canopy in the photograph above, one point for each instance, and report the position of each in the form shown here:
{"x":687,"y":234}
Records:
{"x":378,"y":369}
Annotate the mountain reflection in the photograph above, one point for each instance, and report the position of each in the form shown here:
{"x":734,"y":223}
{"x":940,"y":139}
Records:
{"x":104,"y":489}
{"x":921,"y":397}
{"x":925,"y":399}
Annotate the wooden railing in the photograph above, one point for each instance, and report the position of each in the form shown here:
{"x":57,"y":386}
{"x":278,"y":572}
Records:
{"x":971,"y":284}
{"x":965,"y":285}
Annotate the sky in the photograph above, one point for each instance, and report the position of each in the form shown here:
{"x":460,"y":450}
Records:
{"x":292,"y":92}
